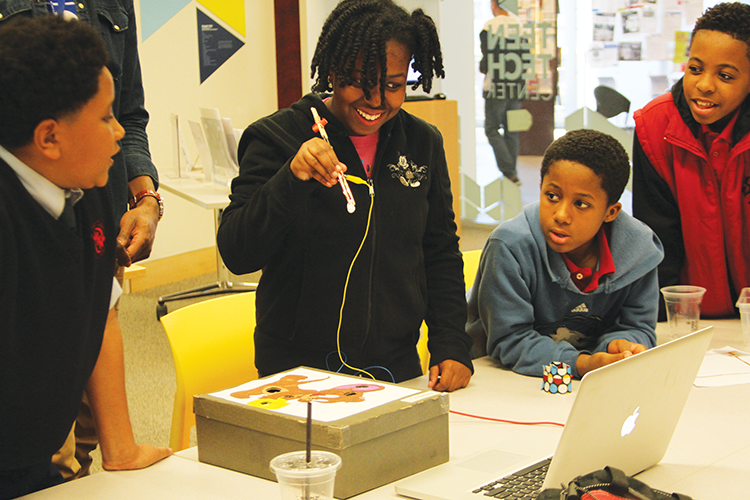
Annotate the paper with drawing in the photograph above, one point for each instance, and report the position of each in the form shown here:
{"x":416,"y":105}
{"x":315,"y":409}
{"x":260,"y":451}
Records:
{"x":334,"y":396}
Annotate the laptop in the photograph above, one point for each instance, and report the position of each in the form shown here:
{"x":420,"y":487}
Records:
{"x":624,"y":416}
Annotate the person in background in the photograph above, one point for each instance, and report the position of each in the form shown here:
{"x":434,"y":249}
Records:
{"x":572,"y":278}
{"x":347,"y":289}
{"x":133,"y":179}
{"x":500,"y":91}
{"x":691,"y":163}
{"x":57,"y":252}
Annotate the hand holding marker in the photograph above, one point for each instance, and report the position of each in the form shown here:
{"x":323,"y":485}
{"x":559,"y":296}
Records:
{"x":351,"y":206}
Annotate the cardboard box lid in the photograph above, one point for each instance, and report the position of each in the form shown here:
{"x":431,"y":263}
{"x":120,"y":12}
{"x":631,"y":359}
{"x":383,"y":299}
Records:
{"x":336,"y":434}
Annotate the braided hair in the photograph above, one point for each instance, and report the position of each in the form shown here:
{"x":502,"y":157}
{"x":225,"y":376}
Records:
{"x":730,"y":18}
{"x":362,"y":28}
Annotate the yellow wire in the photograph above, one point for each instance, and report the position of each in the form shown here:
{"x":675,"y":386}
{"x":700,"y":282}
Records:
{"x":356,"y":180}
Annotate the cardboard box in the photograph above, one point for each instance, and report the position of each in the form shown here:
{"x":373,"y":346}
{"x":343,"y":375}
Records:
{"x":378,"y":445}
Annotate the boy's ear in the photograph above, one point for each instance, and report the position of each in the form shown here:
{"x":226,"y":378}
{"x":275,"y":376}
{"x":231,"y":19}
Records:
{"x":45,"y":138}
{"x":612,"y":212}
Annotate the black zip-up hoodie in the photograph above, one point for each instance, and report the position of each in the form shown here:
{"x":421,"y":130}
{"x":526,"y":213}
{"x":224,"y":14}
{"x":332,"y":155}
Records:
{"x":301,"y":235}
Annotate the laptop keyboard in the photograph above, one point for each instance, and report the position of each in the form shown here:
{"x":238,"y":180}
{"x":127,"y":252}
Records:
{"x":521,"y":485}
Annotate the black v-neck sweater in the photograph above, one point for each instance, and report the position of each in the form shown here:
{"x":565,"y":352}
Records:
{"x":55,"y":286}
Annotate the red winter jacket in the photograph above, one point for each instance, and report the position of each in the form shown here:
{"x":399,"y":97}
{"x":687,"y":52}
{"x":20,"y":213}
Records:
{"x":703,"y":224}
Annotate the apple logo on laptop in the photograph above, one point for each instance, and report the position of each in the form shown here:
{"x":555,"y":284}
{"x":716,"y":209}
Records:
{"x":629,"y":424}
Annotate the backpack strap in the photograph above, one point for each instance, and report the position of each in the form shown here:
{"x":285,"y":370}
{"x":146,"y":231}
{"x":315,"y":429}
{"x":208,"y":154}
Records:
{"x":620,"y":482}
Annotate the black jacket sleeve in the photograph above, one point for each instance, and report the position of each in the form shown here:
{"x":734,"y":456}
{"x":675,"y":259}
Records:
{"x":654,"y":204}
{"x":446,"y":311}
{"x":266,"y":199}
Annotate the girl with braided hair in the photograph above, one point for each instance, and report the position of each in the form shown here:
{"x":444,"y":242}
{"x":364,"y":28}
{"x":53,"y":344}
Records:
{"x":344,"y":288}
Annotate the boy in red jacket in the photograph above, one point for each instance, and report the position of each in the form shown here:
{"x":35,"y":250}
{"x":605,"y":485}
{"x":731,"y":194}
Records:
{"x":691,"y":163}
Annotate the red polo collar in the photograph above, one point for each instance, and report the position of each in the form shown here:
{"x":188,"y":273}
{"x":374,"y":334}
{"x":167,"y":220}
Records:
{"x":586,"y":279}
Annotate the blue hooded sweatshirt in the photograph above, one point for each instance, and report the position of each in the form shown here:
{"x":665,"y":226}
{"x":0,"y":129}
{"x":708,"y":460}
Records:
{"x":526,"y":306}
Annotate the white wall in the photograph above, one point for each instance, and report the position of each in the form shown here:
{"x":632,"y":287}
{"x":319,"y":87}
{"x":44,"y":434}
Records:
{"x":243,"y":88}
{"x":313,"y":14}
{"x":457,"y":37}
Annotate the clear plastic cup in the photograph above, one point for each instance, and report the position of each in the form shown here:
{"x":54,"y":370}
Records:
{"x":743,"y":304}
{"x":683,"y":308}
{"x":302,"y":480}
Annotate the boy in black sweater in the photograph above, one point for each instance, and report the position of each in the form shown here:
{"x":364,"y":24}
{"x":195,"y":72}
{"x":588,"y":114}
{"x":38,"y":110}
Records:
{"x":57,"y":253}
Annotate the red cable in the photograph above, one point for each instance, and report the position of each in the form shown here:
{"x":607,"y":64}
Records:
{"x":506,"y":421}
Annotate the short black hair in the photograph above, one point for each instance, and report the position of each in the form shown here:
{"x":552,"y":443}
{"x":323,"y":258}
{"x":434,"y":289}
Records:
{"x":596,"y":150}
{"x":49,"y":69}
{"x":730,"y":18}
{"x":364,"y":27}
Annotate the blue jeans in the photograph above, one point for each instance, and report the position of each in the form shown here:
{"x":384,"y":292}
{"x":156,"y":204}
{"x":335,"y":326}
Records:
{"x":505,"y":146}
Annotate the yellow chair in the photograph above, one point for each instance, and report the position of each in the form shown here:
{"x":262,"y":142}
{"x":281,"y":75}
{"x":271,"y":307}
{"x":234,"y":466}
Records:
{"x":212,"y":346}
{"x":471,"y":265}
{"x":424,"y":353}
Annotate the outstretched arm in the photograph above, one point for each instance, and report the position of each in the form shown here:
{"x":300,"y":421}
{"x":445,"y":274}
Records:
{"x":109,"y":406}
{"x":137,"y":226}
{"x":449,"y":344}
{"x":502,"y":306}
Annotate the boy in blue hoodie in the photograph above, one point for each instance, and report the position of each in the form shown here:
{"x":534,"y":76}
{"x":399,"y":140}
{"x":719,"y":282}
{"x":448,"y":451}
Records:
{"x":572,"y":278}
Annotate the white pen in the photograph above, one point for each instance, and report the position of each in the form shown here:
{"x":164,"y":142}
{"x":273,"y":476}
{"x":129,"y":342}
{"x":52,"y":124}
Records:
{"x":350,"y":204}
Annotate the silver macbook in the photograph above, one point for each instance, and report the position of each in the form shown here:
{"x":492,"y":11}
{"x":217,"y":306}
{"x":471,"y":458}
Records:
{"x":624,"y":416}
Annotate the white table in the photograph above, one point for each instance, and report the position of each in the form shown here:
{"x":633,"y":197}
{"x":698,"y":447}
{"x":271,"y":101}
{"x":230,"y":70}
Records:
{"x":709,"y":456}
{"x":211,"y":197}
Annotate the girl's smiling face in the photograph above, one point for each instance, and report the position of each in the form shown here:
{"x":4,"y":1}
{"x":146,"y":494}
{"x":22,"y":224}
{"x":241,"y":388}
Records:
{"x":362,"y":116}
{"x":717,"y":77}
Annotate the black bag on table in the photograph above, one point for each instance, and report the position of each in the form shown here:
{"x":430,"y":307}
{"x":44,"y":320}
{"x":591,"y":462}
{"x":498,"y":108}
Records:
{"x":607,"y":484}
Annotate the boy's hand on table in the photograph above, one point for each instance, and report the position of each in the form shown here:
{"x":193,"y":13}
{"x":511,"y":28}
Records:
{"x":617,"y":349}
{"x":140,"y":457}
{"x":449,"y":376}
{"x":618,"y":346}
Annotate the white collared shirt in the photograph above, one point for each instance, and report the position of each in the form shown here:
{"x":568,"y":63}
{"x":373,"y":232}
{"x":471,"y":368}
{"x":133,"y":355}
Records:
{"x":50,"y":197}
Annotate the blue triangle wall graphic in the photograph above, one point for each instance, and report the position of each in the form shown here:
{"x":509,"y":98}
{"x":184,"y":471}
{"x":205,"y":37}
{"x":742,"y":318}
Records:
{"x":156,"y":13}
{"x":215,"y":45}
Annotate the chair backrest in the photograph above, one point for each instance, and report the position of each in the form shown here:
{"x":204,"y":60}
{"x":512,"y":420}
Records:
{"x":471,"y":265}
{"x":610,"y":102}
{"x":212,"y":346}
